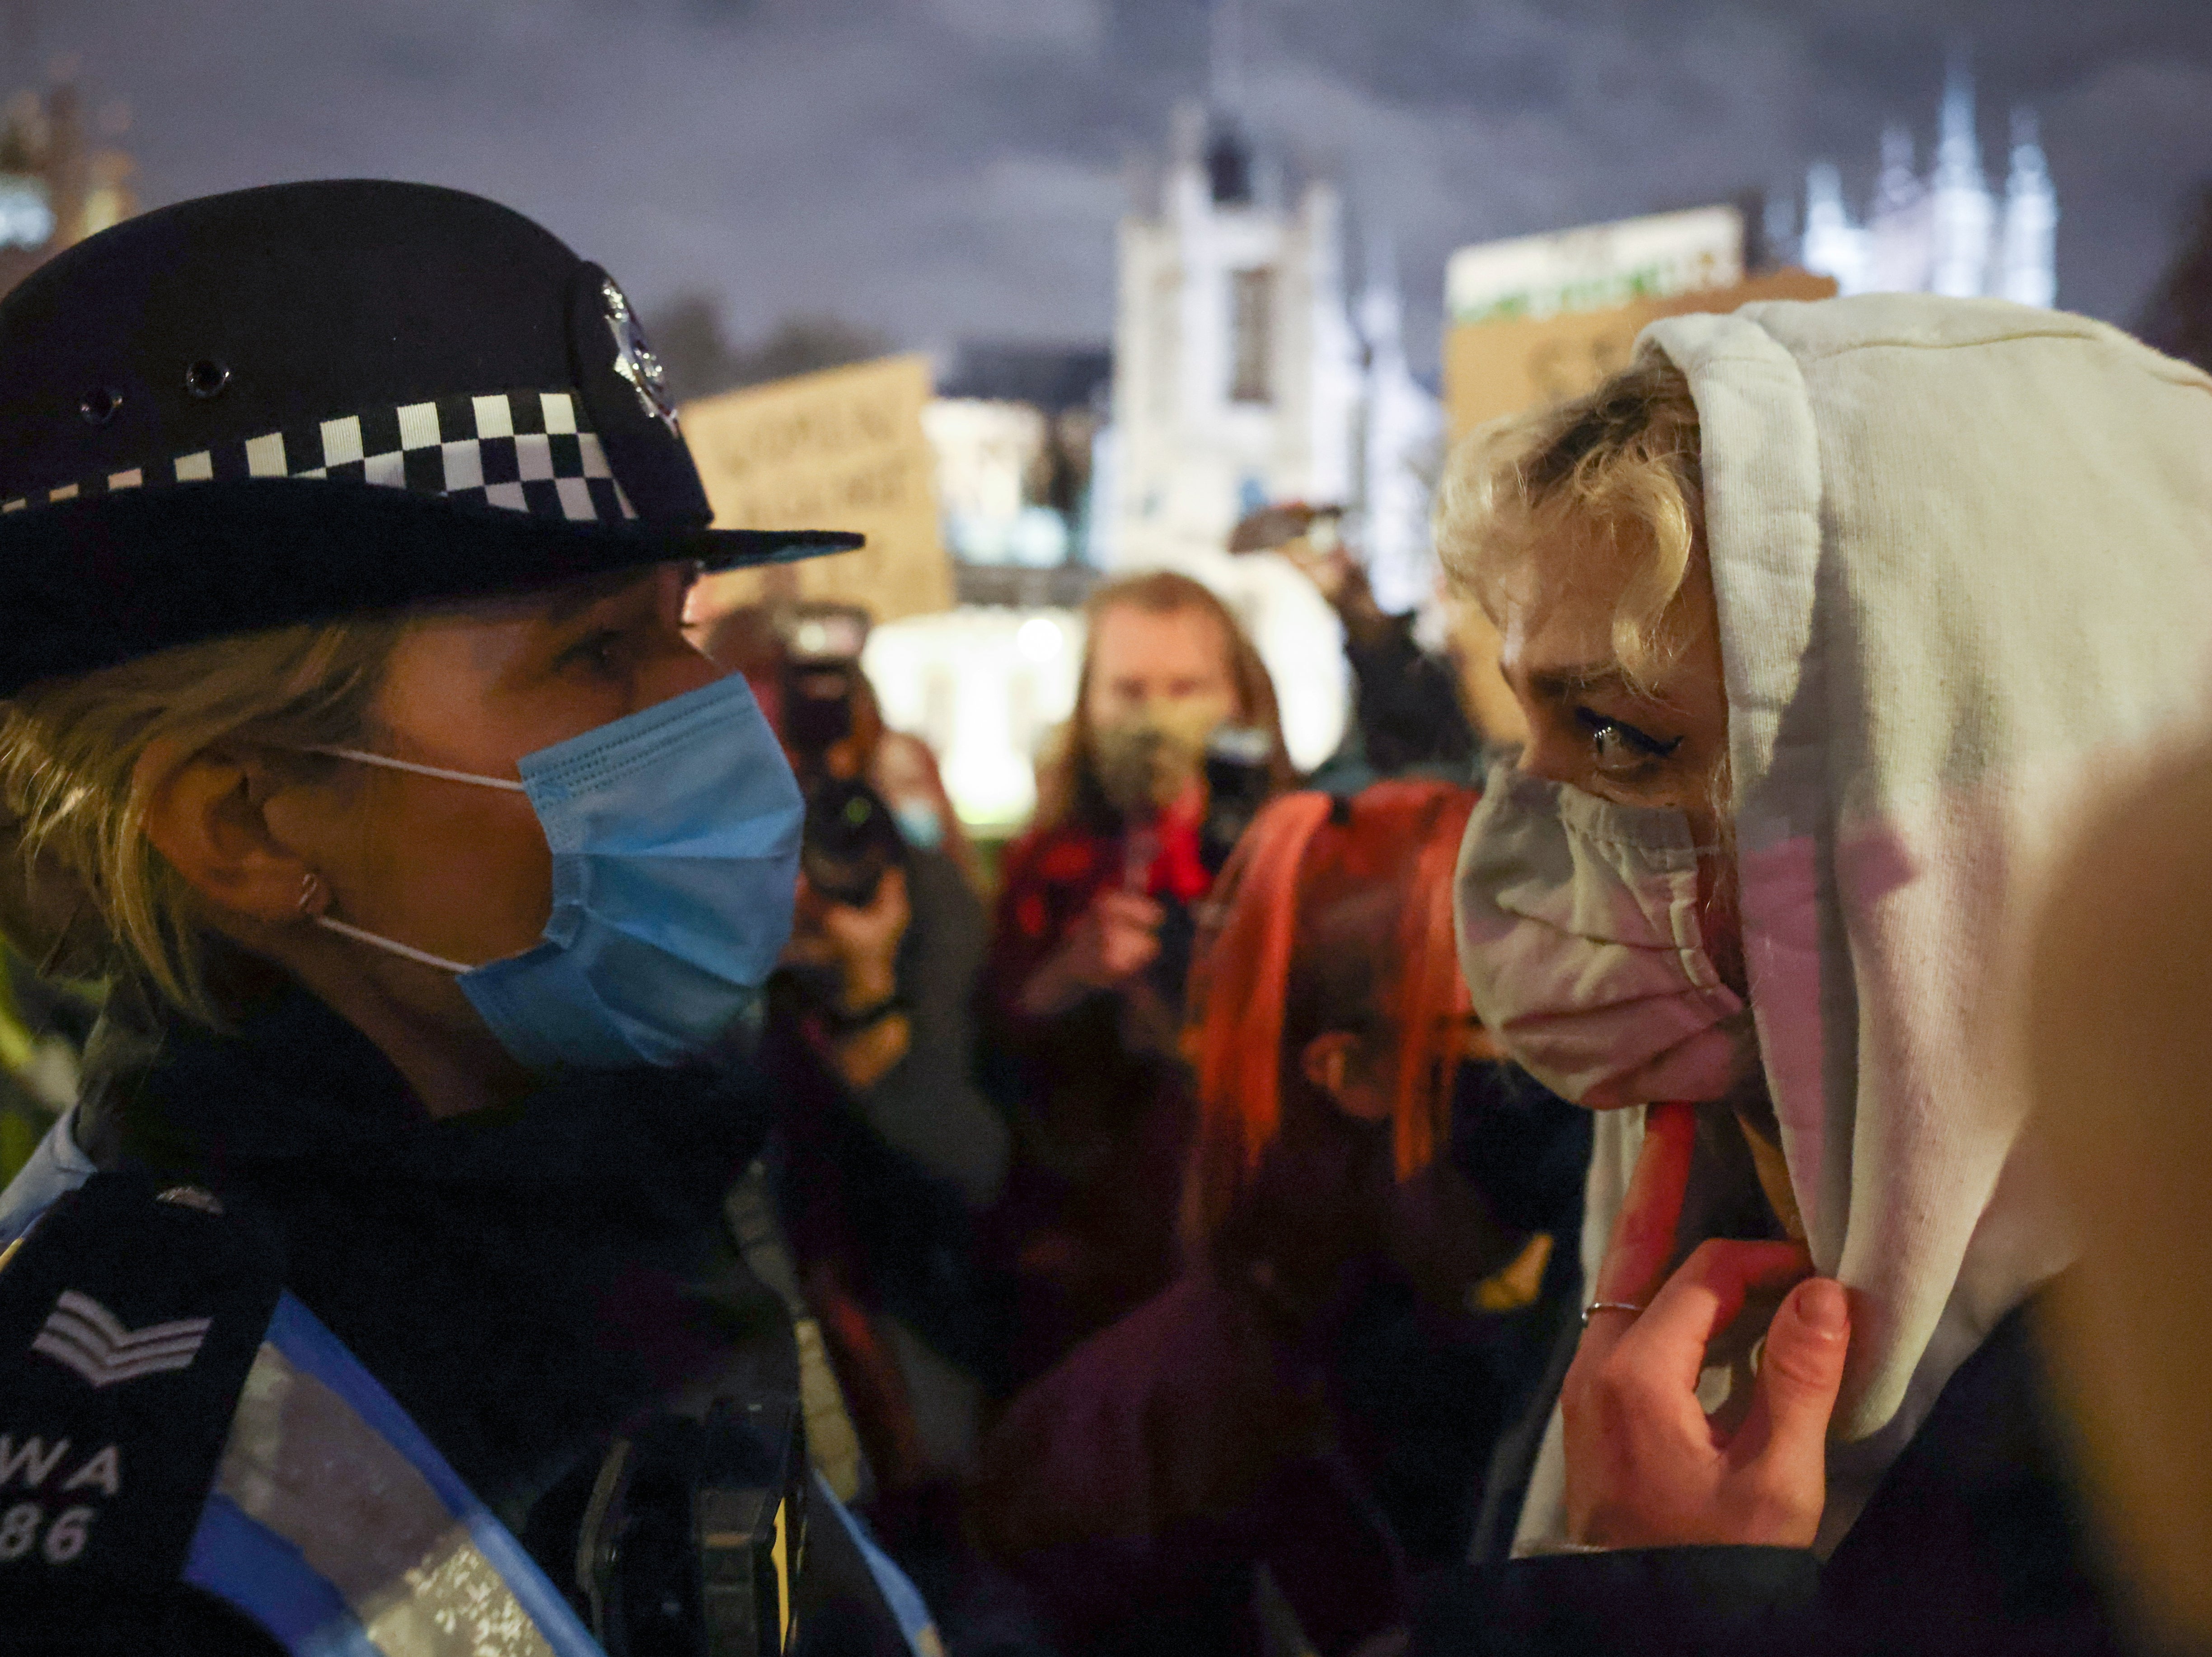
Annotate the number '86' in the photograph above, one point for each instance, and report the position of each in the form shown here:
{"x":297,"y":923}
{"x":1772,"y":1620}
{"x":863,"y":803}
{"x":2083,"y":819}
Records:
{"x":64,"y":1538}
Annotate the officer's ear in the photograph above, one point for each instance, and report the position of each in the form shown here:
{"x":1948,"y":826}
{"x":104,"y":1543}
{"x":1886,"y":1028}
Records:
{"x":206,"y":813}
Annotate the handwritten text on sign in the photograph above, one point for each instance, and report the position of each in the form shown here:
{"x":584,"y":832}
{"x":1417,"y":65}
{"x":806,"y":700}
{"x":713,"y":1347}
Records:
{"x":841,"y":449}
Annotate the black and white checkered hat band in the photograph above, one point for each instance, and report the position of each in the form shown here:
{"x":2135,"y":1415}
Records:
{"x":520,"y":449}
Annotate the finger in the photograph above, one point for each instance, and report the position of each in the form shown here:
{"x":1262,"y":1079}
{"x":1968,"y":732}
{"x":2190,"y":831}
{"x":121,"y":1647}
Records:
{"x":1643,"y":1244}
{"x":1702,"y":1299}
{"x":1131,"y":952}
{"x":1800,"y":1373}
{"x":1132,"y":908}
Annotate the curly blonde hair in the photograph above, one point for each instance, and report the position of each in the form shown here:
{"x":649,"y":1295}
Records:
{"x":83,"y":893}
{"x":1611,"y":478}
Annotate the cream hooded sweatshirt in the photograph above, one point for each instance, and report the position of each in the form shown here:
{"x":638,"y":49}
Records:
{"x":1962,"y":555}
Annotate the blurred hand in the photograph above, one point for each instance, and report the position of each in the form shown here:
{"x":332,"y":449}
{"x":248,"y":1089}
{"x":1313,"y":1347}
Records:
{"x":1646,"y":1466}
{"x":1117,"y":938}
{"x":1342,"y":580}
{"x":1334,"y":572}
{"x":860,"y":943}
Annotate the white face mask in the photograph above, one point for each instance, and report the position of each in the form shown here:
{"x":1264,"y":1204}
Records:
{"x":1578,"y":937}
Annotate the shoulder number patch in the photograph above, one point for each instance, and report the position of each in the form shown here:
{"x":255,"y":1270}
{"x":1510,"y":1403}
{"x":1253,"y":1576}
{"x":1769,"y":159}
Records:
{"x":82,"y":1335}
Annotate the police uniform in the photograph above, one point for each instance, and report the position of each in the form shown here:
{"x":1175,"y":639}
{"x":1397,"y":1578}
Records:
{"x":232,"y":1400}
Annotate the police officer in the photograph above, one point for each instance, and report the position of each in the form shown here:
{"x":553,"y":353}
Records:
{"x":351,"y":737}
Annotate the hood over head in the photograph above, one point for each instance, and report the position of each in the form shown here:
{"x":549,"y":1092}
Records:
{"x":1962,"y":553}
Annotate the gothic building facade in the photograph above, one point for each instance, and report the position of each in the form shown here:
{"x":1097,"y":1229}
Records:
{"x":1948,"y":232}
{"x":1242,"y":377}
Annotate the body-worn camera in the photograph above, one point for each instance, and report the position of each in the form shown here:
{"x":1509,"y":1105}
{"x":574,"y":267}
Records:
{"x":712,"y":1538}
{"x":697,"y":1533}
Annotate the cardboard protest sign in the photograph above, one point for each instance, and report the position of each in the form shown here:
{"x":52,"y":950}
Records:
{"x":840,"y":449}
{"x":1493,"y":369}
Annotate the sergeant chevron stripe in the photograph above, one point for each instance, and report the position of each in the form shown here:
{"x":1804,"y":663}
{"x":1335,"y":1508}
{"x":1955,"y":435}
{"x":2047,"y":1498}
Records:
{"x":90,"y":1339}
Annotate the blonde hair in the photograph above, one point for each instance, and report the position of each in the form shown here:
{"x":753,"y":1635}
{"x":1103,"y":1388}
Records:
{"x":83,"y":893}
{"x":1611,"y":476}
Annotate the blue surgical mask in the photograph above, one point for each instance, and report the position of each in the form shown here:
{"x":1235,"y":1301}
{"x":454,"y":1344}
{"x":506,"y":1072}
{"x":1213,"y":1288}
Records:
{"x":675,"y":840}
{"x":919,"y":822}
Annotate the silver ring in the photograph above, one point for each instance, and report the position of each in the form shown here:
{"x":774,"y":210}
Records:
{"x":1609,"y":1306}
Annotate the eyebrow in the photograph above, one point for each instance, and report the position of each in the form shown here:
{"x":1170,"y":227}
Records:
{"x":571,"y":601}
{"x":1577,"y":679}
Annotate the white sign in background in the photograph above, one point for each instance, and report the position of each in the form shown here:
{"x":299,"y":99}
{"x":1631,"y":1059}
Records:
{"x":1596,"y":267}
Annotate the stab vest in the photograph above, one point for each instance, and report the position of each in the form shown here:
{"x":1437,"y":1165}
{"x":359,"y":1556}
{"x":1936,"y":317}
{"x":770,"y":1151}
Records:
{"x":168,"y":1414}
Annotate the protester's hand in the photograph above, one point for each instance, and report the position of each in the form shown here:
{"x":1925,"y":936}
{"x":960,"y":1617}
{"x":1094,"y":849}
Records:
{"x":864,"y":940}
{"x":1334,"y":572}
{"x":1117,"y":938}
{"x":1646,"y":1466}
{"x":857,"y":943}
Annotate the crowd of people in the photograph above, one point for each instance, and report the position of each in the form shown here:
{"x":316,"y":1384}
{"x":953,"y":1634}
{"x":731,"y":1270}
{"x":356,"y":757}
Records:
{"x":578,"y":1152}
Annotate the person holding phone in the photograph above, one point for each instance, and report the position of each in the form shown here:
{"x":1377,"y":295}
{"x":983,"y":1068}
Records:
{"x":1082,"y":989}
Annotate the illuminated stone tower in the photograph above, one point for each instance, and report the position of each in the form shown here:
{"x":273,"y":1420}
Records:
{"x":1236,"y":374}
{"x":2027,"y":252}
{"x":1944,"y":234}
{"x":1963,"y":214}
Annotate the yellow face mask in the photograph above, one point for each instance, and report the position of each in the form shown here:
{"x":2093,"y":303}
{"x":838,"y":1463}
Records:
{"x":1145,"y":762}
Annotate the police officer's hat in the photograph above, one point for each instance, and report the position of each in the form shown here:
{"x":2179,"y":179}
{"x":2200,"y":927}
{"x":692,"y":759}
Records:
{"x":313,"y":399}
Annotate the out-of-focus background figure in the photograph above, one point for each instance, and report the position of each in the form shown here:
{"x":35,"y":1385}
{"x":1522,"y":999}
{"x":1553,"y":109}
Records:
{"x":889,"y":1150}
{"x":1275,"y":1440}
{"x":2120,"y":1052}
{"x":1174,"y":742}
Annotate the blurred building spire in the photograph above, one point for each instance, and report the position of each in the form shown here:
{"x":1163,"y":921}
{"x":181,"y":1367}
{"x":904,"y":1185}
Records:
{"x":1833,"y":245}
{"x":1225,"y":67}
{"x":1401,"y":435}
{"x":1942,"y":235}
{"x":1228,"y":150}
{"x":1901,"y":254}
{"x":2031,"y":219}
{"x":1963,"y":213}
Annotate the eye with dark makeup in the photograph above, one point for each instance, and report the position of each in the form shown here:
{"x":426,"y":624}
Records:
{"x":1617,"y":745}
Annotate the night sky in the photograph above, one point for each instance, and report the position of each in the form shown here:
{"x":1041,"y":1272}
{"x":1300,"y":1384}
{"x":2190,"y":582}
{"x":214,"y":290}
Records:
{"x":938,"y":169}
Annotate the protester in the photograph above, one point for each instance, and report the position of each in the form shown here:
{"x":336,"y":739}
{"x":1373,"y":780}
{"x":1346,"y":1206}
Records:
{"x":1821,"y":615}
{"x":893,"y":1152}
{"x":890,"y":932}
{"x":1407,"y":712}
{"x":1314,"y":1399}
{"x":1084,"y":984}
{"x":352,"y":737}
{"x":750,"y":639}
{"x":885,"y":1156}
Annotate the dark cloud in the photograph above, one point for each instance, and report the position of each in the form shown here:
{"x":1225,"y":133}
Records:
{"x":937,"y":169}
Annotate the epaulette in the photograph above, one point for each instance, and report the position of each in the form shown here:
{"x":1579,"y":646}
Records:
{"x":130,"y":1314}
